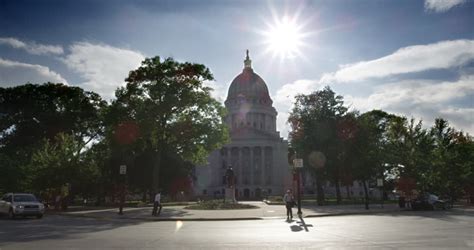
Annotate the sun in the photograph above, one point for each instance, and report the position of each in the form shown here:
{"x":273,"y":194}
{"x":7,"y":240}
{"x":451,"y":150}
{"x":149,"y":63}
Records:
{"x":284,"y":38}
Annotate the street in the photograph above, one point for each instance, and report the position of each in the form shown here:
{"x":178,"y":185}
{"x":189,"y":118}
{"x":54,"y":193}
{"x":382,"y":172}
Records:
{"x":428,"y":230}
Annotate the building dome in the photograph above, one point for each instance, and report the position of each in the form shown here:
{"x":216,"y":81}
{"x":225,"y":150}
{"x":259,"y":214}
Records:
{"x":248,"y":86}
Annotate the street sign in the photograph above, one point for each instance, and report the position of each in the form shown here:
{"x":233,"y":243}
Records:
{"x":298,"y":163}
{"x":123,"y":169}
{"x":379,"y":183}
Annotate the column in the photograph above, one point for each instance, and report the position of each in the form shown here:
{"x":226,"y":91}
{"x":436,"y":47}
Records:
{"x":240,"y":176}
{"x":262,"y":163}
{"x":252,"y":167}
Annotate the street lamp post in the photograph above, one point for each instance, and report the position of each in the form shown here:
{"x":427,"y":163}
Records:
{"x":298,"y":164}
{"x":299,"y":192}
{"x":123,"y":172}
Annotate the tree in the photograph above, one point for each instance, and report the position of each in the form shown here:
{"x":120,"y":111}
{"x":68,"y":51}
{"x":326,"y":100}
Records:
{"x":60,"y":163}
{"x":314,"y":134}
{"x":410,"y":148}
{"x":31,"y":114}
{"x":369,"y":151}
{"x":453,"y":160}
{"x":165,"y":108}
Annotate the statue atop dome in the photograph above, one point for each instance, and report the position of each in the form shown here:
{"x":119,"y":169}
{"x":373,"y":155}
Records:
{"x":248,"y":62}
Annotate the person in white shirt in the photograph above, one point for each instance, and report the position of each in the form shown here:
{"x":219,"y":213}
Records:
{"x":289,"y":200}
{"x":157,"y":204}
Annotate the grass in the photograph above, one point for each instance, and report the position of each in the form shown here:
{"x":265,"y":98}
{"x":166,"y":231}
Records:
{"x":219,"y":205}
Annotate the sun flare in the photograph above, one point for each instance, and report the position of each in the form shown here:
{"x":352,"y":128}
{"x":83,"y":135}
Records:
{"x":284,"y":38}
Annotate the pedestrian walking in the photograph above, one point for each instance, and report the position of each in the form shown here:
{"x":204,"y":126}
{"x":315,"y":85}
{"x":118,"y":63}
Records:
{"x":289,"y":200}
{"x":57,"y":202}
{"x":157,"y":204}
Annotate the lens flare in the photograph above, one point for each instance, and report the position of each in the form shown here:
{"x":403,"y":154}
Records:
{"x":284,"y":38}
{"x":179,"y":224}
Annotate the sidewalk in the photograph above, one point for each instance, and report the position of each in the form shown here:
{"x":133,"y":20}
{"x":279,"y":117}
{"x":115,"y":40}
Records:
{"x":264,"y":211}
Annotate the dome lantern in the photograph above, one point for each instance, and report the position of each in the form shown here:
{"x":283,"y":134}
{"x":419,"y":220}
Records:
{"x":248,"y":86}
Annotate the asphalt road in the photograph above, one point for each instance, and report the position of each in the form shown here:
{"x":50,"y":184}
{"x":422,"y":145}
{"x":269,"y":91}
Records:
{"x":406,"y":230}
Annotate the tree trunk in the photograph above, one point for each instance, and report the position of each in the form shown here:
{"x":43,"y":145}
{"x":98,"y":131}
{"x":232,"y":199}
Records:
{"x":151,"y":195}
{"x":319,"y":187}
{"x":348,"y":192}
{"x":366,"y":195}
{"x":144,"y":195}
{"x":338,"y":192}
{"x":156,"y":172}
{"x":337,"y":184}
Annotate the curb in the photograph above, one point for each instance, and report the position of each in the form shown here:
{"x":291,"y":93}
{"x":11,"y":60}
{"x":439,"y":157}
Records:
{"x":353,"y":213}
{"x":156,"y":219}
{"x":117,"y":217}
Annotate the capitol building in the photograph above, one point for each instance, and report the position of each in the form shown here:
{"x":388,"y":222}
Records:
{"x":256,"y":153}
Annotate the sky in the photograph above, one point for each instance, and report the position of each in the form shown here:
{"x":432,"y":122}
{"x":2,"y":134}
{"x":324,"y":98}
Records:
{"x":408,"y":57}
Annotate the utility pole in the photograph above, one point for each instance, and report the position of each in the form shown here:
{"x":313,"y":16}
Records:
{"x":298,"y":164}
{"x":123,"y":172}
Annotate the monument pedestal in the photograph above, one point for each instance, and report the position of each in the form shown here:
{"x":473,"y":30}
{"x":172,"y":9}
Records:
{"x":230,"y":195}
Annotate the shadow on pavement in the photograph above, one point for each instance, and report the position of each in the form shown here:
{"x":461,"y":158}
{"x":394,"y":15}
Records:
{"x":443,"y":215}
{"x":296,"y":228}
{"x":301,"y":225}
{"x":53,"y":227}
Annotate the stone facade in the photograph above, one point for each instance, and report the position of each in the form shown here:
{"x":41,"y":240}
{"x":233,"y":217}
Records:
{"x":257,"y":153}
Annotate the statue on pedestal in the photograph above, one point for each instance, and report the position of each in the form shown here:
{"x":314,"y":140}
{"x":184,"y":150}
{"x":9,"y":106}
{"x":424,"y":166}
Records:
{"x":230,"y":185}
{"x":230,"y":178}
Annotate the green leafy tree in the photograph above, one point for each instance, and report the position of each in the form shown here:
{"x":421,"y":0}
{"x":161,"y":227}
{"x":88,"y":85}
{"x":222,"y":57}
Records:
{"x":314,"y":134}
{"x":453,"y":161}
{"x":59,"y":163}
{"x":32,"y":113}
{"x":369,"y":150}
{"x":410,"y":147}
{"x":166,"y":108}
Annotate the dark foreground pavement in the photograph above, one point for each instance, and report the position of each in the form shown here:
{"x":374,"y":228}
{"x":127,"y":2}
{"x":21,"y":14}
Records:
{"x":408,"y":230}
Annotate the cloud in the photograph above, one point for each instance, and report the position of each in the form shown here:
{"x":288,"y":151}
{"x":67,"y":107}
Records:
{"x":424,"y":100}
{"x":284,"y":100}
{"x":441,"y":5}
{"x":376,"y":85}
{"x":219,"y":91}
{"x":417,"y":58}
{"x":32,"y":47}
{"x":15,"y":73}
{"x":103,"y":67}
